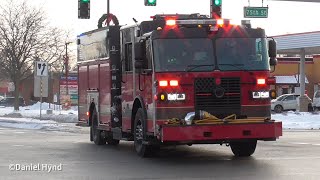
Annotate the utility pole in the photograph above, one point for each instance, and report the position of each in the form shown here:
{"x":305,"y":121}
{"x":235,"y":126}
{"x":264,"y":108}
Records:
{"x":66,"y":61}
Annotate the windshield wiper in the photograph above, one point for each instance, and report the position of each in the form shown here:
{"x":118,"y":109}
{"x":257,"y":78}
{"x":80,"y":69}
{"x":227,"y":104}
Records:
{"x":238,"y":66}
{"x":194,"y":66}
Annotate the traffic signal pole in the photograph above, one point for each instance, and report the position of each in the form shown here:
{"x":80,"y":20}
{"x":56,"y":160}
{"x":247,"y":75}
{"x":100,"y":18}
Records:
{"x":108,"y":12}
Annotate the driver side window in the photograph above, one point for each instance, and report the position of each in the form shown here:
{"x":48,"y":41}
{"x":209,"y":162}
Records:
{"x":148,"y":55}
{"x":289,"y":98}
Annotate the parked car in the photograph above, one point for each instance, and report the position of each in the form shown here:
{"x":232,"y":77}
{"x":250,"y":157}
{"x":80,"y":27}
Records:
{"x":9,"y":101}
{"x":287,"y":102}
{"x":316,"y":100}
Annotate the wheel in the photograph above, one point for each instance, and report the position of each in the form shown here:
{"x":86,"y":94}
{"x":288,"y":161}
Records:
{"x":95,"y":133}
{"x":243,"y":149}
{"x":310,"y":108}
{"x":142,"y":150}
{"x":112,"y":141}
{"x":278,"y":109}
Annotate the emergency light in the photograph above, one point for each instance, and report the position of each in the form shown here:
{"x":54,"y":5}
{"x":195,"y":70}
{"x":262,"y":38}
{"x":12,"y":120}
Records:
{"x":261,"y":81}
{"x":212,"y":22}
{"x":171,"y":22}
{"x":172,"y":83}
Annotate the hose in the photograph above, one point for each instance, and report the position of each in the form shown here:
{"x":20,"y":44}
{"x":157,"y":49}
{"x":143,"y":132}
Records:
{"x":209,"y":119}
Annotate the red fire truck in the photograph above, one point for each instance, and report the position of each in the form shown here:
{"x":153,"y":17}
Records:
{"x":177,"y":79}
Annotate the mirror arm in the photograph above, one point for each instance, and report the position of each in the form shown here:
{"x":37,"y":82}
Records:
{"x":273,"y":70}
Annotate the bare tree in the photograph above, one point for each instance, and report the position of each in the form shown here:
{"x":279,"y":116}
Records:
{"x":25,"y":35}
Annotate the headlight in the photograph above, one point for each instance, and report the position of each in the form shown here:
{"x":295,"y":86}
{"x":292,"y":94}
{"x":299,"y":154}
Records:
{"x":260,"y":94}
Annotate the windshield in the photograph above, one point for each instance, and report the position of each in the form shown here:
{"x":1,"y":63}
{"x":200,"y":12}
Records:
{"x":183,"y":55}
{"x":242,"y":53}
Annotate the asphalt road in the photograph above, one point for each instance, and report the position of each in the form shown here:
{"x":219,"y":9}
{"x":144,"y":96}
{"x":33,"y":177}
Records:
{"x":71,"y":156}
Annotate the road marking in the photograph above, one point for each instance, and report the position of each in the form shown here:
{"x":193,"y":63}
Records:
{"x":288,"y":158}
{"x":298,"y":143}
{"x":301,"y":143}
{"x":18,"y":145}
{"x":19,"y":132}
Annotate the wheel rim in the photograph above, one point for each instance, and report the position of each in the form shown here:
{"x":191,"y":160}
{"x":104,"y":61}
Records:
{"x":139,"y":131}
{"x":278,"y":109}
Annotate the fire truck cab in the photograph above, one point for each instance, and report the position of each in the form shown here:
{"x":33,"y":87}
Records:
{"x":177,"y":79}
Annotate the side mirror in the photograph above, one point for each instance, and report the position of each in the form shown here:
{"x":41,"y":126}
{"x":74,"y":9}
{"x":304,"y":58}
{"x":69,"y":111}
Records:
{"x":273,"y":61}
{"x":273,"y":52}
{"x":140,"y":54}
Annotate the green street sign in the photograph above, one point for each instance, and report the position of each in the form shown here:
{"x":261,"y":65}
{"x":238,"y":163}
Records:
{"x":255,"y":12}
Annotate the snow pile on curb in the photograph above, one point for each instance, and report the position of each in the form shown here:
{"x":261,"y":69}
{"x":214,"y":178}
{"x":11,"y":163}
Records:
{"x":27,"y":123}
{"x":28,"y":117}
{"x":64,"y":116}
{"x":298,"y":120}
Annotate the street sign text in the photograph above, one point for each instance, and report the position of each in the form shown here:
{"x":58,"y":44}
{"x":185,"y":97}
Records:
{"x":255,"y":12}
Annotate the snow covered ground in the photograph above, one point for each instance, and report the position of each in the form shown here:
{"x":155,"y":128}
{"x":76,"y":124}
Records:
{"x":29,"y":118}
{"x":298,"y":120}
{"x":67,"y":116}
{"x":61,"y":120}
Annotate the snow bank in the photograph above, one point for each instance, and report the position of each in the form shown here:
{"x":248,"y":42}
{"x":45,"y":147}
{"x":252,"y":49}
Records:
{"x":66,"y":116}
{"x":298,"y":120}
{"x":28,"y":117}
{"x":28,"y":123}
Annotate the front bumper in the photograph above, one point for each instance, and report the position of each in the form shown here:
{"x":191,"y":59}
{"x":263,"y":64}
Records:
{"x":220,"y":132}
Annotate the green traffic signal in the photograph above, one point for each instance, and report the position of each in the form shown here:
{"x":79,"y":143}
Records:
{"x":217,"y":2}
{"x":150,"y":2}
{"x":84,"y":9}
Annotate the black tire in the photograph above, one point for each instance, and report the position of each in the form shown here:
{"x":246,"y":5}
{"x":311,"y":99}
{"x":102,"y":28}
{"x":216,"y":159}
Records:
{"x":139,"y":132}
{"x":243,"y":149}
{"x":278,"y":109}
{"x":112,"y":141}
{"x":95,"y":133}
{"x":310,"y":108}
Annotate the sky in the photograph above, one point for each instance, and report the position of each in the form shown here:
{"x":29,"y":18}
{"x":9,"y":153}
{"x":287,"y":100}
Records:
{"x":284,"y":17}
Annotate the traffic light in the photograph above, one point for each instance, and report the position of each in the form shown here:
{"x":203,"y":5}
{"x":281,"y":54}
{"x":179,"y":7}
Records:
{"x":216,"y":9}
{"x":83,"y":9}
{"x":150,"y":2}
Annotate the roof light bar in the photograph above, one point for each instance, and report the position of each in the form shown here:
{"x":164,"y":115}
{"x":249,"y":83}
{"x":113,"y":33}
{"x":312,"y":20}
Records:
{"x":204,"y":22}
{"x":220,"y":22}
